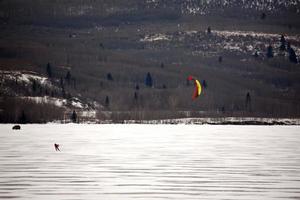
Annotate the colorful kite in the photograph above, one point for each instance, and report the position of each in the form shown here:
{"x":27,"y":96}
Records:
{"x":197,"y":84}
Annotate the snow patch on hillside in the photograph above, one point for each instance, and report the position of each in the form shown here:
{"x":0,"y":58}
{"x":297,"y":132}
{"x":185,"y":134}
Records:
{"x":79,"y":11}
{"x":24,"y":76}
{"x":60,"y":102}
{"x":196,"y":7}
{"x":83,"y":110}
{"x":254,"y":35}
{"x":155,"y":37}
{"x":88,"y":113}
{"x":248,"y":41}
{"x":47,"y":100}
{"x":200,"y":42}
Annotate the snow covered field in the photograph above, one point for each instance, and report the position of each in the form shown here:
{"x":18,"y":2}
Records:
{"x":150,"y":162}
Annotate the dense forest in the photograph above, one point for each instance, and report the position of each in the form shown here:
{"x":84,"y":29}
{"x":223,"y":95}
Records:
{"x":79,"y":60}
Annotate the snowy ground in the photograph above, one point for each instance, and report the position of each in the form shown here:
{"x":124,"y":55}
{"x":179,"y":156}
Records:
{"x":150,"y":162}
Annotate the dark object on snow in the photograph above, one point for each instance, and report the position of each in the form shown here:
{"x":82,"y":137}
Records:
{"x":16,"y":127}
{"x":56,"y":147}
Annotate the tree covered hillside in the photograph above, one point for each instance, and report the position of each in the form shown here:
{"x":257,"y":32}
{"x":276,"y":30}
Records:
{"x":130,"y":59}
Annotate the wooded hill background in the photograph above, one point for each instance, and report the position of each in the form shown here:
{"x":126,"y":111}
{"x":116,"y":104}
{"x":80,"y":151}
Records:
{"x":133,"y":57}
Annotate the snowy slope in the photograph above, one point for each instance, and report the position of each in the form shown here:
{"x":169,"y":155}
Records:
{"x":206,"y":6}
{"x":127,"y":162}
{"x":26,"y":79}
{"x":246,"y":42}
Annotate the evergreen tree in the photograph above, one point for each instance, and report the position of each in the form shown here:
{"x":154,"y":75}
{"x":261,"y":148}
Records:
{"x":292,"y":56}
{"x":49,"y":70}
{"x":109,"y":77}
{"x":248,"y":101}
{"x":68,"y":77}
{"x":34,"y":86}
{"x":106,"y":101}
{"x":282,"y":43}
{"x":209,"y":30}
{"x":74,"y":117}
{"x":270,"y":53}
{"x":148,"y":81}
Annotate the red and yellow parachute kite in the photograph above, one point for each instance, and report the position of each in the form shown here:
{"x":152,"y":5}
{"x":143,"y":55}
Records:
{"x":197,"y":84}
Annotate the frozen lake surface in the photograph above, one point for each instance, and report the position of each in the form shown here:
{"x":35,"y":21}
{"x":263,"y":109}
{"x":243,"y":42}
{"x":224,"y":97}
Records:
{"x":121,"y":162}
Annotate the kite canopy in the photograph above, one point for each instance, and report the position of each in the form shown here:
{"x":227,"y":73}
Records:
{"x":190,"y":78}
{"x":197,"y":84}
